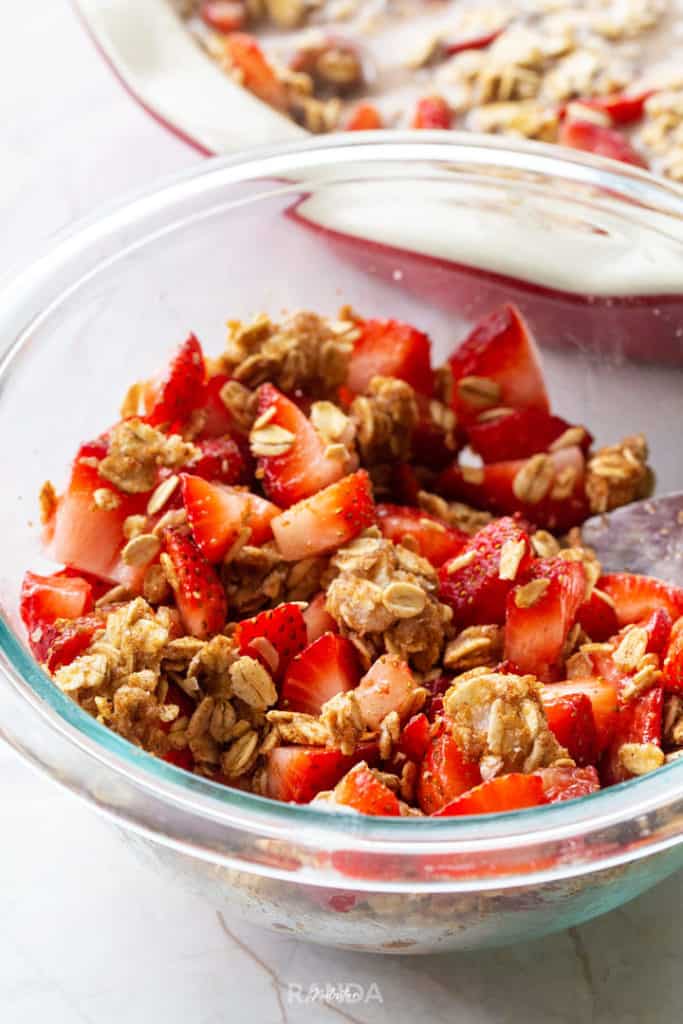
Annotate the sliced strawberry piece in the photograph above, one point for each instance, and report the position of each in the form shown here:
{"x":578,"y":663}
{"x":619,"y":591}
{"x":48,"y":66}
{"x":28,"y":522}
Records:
{"x":84,"y":535}
{"x":415,"y":738}
{"x":171,"y":399}
{"x":302,"y":470}
{"x":518,"y":434}
{"x":479,"y":42}
{"x":432,"y":112}
{"x":494,"y":488}
{"x":318,"y":620}
{"x":65,"y":641}
{"x":389,"y":348}
{"x":326,"y":520}
{"x":471,"y":583}
{"x":297,"y":774}
{"x":640,"y":721}
{"x":435,"y":541}
{"x":257,"y":75}
{"x":619,"y":108}
{"x":217,"y":418}
{"x":364,"y":792}
{"x":596,"y":138}
{"x":672,"y":667}
{"x":219,"y":460}
{"x":47,"y":598}
{"x":445,"y":774}
{"x":217,"y":513}
{"x":435,"y":441}
{"x":566,"y":783}
{"x":387,"y":686}
{"x":365,"y":118}
{"x":535,"y":634}
{"x":198,"y":591}
{"x":598,"y":617}
{"x":500,"y":349}
{"x":180,"y":758}
{"x":658,"y":627}
{"x":505,"y":793}
{"x":324,"y":668}
{"x":223,"y":15}
{"x":571,"y":719}
{"x":273,"y":637}
{"x":635,"y":597}
{"x":603,"y":695}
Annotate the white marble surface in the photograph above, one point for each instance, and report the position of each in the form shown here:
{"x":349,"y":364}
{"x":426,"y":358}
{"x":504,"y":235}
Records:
{"x":86,"y":934}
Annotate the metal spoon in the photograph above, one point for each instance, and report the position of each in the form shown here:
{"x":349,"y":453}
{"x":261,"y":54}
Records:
{"x":646,"y":538}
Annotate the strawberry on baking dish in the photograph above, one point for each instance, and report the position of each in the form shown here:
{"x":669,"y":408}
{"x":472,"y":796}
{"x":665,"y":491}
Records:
{"x":445,"y":774}
{"x":303,"y":468}
{"x":170,"y":399}
{"x":497,"y":365}
{"x":297,"y":774}
{"x":634,"y":597}
{"x":216,"y":514}
{"x":389,"y":348}
{"x":519,"y":433}
{"x":257,"y":75}
{"x":432,"y":112}
{"x":547,"y":490}
{"x":364,"y":792}
{"x":603,"y":696}
{"x":539,"y":614}
{"x":510,"y":792}
{"x":323,"y":669}
{"x":566,"y":783}
{"x":571,"y":719}
{"x":672,"y":666}
{"x":599,"y":139}
{"x":638,"y":722}
{"x":476,"y":583}
{"x":274,"y":637}
{"x":199,"y":593}
{"x":326,"y":520}
{"x":87,"y":533}
{"x":434,"y":540}
{"x":387,"y":686}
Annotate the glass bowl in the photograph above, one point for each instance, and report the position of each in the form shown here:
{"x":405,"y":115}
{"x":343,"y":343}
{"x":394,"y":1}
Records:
{"x":428,"y":229}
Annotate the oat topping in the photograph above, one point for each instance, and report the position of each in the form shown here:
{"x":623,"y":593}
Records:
{"x":384,"y":420}
{"x":135,"y":453}
{"x":619,"y":474}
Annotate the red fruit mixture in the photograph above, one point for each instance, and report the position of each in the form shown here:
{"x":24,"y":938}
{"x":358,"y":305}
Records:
{"x":304,"y":587}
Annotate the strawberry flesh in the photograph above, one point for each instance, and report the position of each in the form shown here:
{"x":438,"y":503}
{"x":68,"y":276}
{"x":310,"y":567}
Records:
{"x":598,"y":139}
{"x":566,"y":783}
{"x":640,"y":721}
{"x":198,"y":591}
{"x":445,"y":774}
{"x":672,"y":667}
{"x":220,"y":460}
{"x":635,"y":597}
{"x":519,"y":434}
{"x":603,"y":695}
{"x":217,"y":514}
{"x":597,"y":617}
{"x":171,"y":400}
{"x":389,"y":348}
{"x":323,"y":669}
{"x":415,"y":738}
{"x":435,"y":541}
{"x":505,"y":793}
{"x":432,"y":112}
{"x":297,"y":774}
{"x":571,"y":719}
{"x":273,"y":637}
{"x":327,"y":520}
{"x":364,"y":792}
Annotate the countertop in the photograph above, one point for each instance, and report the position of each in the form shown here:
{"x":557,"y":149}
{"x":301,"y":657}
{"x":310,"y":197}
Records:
{"x":86,"y":933}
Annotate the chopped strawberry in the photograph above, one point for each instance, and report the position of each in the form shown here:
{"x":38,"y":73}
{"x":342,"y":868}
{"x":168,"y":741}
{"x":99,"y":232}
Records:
{"x":505,"y":793}
{"x":436,"y":688}
{"x":365,"y":118}
{"x":672,"y":667}
{"x":537,"y":624}
{"x":435,"y":541}
{"x":635,"y":597}
{"x":500,"y":349}
{"x":318,"y":620}
{"x":432,"y":112}
{"x":518,"y":434}
{"x":302,"y":470}
{"x":658,"y":627}
{"x":84,"y":535}
{"x":415,"y":738}
{"x":387,"y":686}
{"x":619,"y":108}
{"x":326,"y":520}
{"x":198,"y":591}
{"x":597,"y":617}
{"x":364,"y":792}
{"x":479,"y":42}
{"x":180,"y":758}
{"x":390,"y":348}
{"x":273,"y":637}
{"x":640,"y":721}
{"x":445,"y":774}
{"x":596,"y":138}
{"x":324,"y":668}
{"x":435,"y":441}
{"x":603,"y":695}
{"x":216,"y":515}
{"x":47,"y":598}
{"x":571,"y":719}
{"x":219,"y":460}
{"x":64,"y":641}
{"x":257,"y":75}
{"x":567,"y":783}
{"x":495,"y":487}
{"x":471,"y":583}
{"x":223,"y":15}
{"x":297,"y":774}
{"x":217,"y":418}
{"x":170,"y":400}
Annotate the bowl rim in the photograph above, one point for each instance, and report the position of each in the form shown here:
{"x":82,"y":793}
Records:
{"x":202,"y":798}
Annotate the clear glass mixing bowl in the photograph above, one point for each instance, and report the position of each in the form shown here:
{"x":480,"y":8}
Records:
{"x":433,"y":231}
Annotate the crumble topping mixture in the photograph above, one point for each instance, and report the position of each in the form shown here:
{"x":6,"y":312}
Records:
{"x":282,"y":571}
